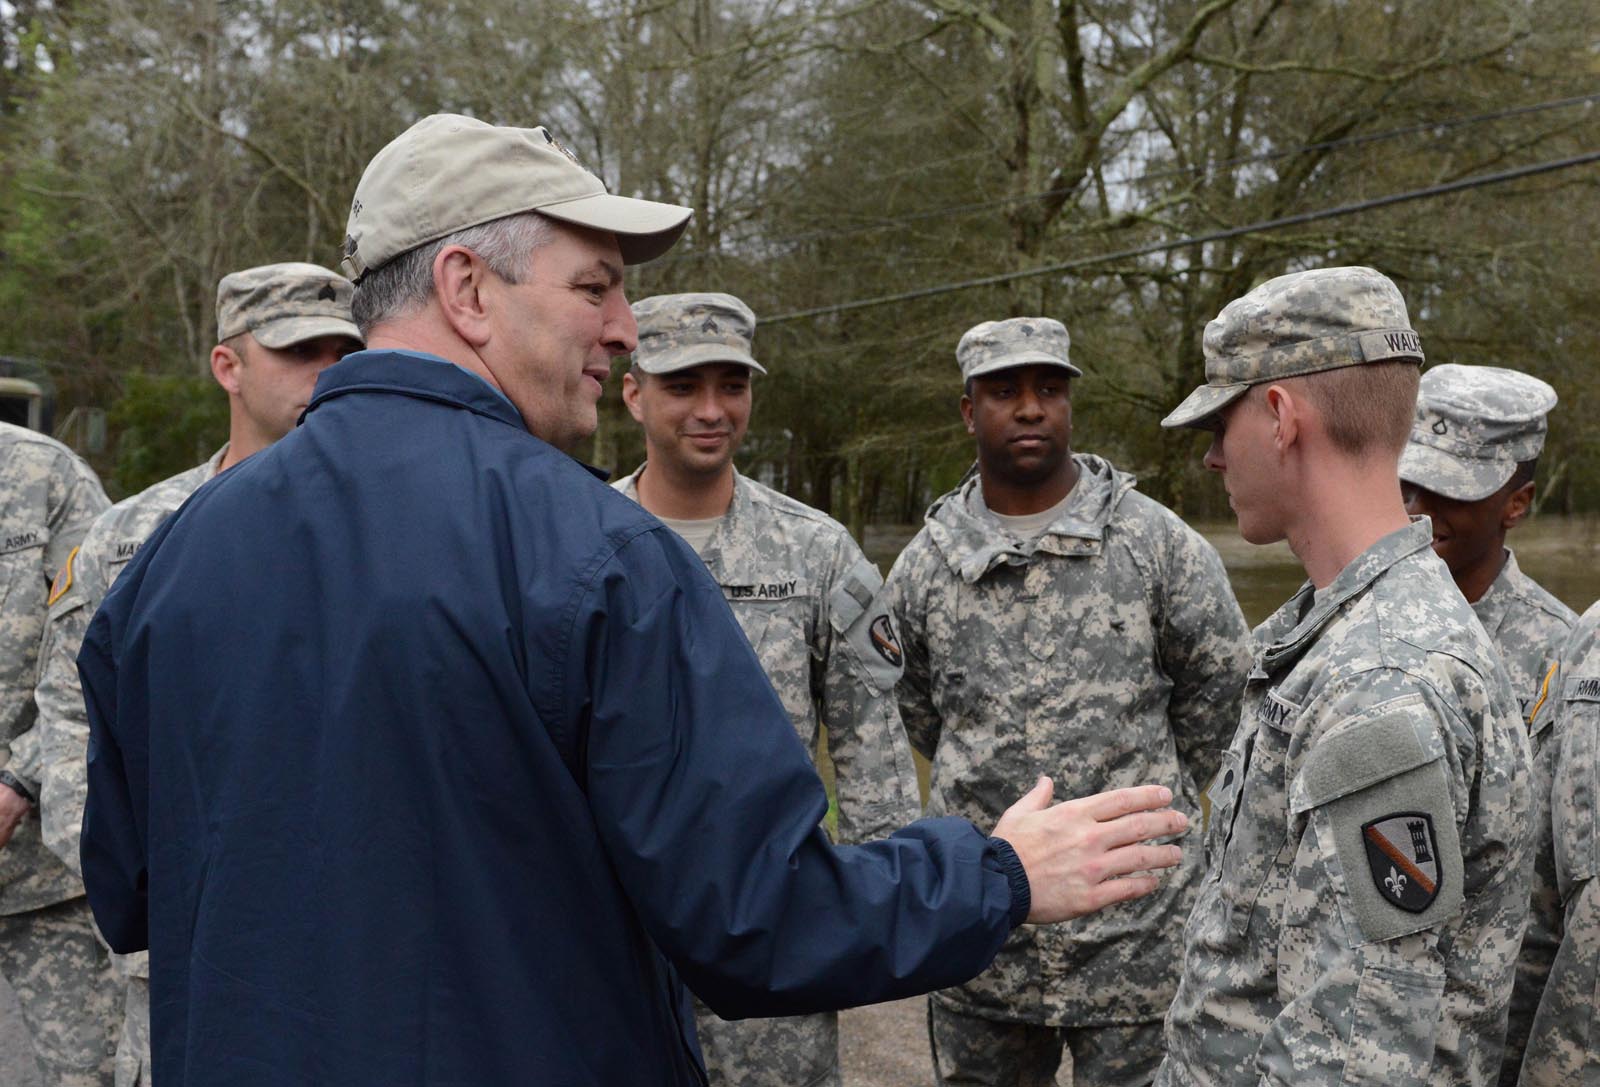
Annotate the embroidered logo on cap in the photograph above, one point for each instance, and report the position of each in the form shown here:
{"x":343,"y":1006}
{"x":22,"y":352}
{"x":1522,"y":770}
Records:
{"x":1402,"y":854}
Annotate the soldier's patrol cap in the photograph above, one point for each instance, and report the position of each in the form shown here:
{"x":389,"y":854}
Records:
{"x":1019,"y":341}
{"x":1474,"y":425}
{"x":1302,"y":323}
{"x":677,"y":331}
{"x":285,"y":304}
{"x":448,"y":172}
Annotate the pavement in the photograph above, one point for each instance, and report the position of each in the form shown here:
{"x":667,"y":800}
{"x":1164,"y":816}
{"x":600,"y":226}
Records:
{"x":886,"y":1045}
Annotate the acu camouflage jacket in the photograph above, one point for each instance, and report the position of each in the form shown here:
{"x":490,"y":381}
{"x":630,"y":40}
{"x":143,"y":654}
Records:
{"x":1564,"y":1041}
{"x":1108,"y":652}
{"x":1368,"y":846}
{"x":804,"y":595}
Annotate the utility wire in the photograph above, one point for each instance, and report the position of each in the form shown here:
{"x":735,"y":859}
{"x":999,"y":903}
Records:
{"x":973,"y":207}
{"x":1475,"y":182}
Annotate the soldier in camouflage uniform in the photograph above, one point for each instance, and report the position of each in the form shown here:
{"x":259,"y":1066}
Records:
{"x":1056,"y":621}
{"x":1469,"y":468}
{"x":804,"y":595}
{"x":281,"y":325}
{"x":1368,"y":847}
{"x":1563,"y":1046}
{"x":48,"y":948}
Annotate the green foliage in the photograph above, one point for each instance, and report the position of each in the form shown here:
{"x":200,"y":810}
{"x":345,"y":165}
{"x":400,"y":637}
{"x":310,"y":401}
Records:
{"x":166,"y":423}
{"x":838,"y":150}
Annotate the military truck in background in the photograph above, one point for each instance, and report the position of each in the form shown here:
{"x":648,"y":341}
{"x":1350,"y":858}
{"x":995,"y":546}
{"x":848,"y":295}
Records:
{"x":27,"y":398}
{"x":25,"y":395}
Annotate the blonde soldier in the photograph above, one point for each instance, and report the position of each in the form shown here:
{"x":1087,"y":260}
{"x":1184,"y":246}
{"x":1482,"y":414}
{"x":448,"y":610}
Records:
{"x":1469,"y":469}
{"x":280,"y":325}
{"x":1563,"y":1046}
{"x":48,"y":949}
{"x":1368,"y":844}
{"x":803,"y":593}
{"x":1056,"y":621}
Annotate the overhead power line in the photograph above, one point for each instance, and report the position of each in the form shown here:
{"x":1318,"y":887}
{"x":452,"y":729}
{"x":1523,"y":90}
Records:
{"x":975,"y":206}
{"x":1475,"y":182}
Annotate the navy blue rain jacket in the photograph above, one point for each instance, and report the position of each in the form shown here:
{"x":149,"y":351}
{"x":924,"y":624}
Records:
{"x":420,"y":756}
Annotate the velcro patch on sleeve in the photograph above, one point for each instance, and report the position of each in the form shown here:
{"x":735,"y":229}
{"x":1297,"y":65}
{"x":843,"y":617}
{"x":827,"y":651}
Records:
{"x":1382,"y":809}
{"x":859,"y":611}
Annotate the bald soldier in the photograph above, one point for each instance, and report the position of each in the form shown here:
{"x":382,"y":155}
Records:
{"x":804,"y":595}
{"x":48,"y":949}
{"x":1366,"y":885}
{"x":1563,"y":1045}
{"x":1469,"y":468}
{"x":1057,"y":621}
{"x":279,"y":326}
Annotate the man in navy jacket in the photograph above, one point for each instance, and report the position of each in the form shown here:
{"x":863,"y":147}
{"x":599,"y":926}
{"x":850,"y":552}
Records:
{"x":421,"y":756}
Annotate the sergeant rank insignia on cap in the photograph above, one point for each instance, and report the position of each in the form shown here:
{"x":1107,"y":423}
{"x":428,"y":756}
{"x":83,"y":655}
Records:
{"x":1402,"y":854}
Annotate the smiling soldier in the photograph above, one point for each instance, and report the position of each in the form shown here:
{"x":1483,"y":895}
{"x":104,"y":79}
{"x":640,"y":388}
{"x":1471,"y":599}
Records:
{"x":1469,"y":468}
{"x":1367,"y":850}
{"x":804,"y":595}
{"x":1057,"y":621}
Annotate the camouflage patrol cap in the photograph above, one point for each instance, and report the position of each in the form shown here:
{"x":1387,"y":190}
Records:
{"x":448,"y":172}
{"x":285,"y":304}
{"x":1473,"y":425}
{"x":1019,"y":341}
{"x":677,"y":331}
{"x":1302,"y":323}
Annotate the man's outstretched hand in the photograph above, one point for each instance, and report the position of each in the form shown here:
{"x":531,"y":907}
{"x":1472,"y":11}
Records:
{"x":1080,"y":855}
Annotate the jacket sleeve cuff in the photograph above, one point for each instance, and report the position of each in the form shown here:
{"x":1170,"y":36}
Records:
{"x":1011,"y":867}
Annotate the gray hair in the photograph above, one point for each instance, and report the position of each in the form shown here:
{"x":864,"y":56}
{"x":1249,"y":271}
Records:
{"x":407,"y":281}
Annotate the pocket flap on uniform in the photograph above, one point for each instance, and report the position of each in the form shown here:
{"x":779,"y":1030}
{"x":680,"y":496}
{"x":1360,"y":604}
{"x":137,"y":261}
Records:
{"x":853,"y":595}
{"x":1398,"y":736}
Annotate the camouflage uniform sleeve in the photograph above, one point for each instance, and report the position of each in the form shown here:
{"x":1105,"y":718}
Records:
{"x":874,"y":778}
{"x":1205,"y":650}
{"x":906,"y":590}
{"x":76,"y":499}
{"x":63,"y":724}
{"x":1543,"y":935}
{"x":1564,"y":1042}
{"x":1361,"y":971}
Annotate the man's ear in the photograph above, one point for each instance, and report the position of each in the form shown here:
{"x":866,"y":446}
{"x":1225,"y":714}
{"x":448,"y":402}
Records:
{"x":461,"y":285}
{"x":631,"y":391}
{"x":225,"y":364}
{"x":1518,"y":505}
{"x":1288,"y":415}
{"x":966,"y":413}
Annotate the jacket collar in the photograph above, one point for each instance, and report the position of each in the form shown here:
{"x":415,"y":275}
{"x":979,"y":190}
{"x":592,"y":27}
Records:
{"x":426,"y":377}
{"x":972,"y":544}
{"x":1492,"y":606}
{"x":740,"y":510}
{"x":414,"y":373}
{"x":1292,"y":627}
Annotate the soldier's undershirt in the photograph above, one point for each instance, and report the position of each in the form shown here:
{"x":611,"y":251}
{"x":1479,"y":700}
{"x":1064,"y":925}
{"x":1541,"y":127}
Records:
{"x":1021,"y":527}
{"x":696,"y":533}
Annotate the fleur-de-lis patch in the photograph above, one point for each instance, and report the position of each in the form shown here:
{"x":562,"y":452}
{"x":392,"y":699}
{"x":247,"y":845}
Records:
{"x":1403,"y":852}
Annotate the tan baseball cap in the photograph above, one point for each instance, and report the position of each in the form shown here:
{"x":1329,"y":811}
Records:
{"x":285,"y":304}
{"x":448,"y":172}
